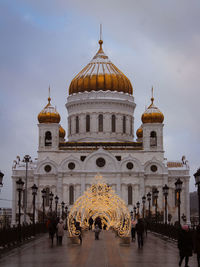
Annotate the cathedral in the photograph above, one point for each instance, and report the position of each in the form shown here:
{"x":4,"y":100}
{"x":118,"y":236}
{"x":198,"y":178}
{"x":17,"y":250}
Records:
{"x":100,"y":140}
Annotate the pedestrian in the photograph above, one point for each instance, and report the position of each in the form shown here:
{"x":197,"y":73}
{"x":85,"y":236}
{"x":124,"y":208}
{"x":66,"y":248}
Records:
{"x":60,"y":231}
{"x":197,"y":244}
{"x":79,"y":229}
{"x":185,"y":244}
{"x":97,"y":230}
{"x":90,"y":223}
{"x":52,"y":229}
{"x":140,"y":231}
{"x":133,"y":225}
{"x":57,"y":221}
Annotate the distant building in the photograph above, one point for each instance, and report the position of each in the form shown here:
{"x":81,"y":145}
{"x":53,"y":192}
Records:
{"x":101,"y":140}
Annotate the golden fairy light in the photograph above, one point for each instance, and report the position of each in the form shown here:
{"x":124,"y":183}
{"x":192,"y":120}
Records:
{"x":100,"y":200}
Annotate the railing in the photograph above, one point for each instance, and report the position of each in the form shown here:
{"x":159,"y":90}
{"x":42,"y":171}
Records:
{"x":14,"y":235}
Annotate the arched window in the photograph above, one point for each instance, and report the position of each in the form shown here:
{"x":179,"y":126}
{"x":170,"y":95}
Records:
{"x":124,"y":124}
{"x":70,"y":126}
{"x":153,"y":197}
{"x":153,"y":139}
{"x":87,"y":123}
{"x":47,"y":197}
{"x":48,"y":139}
{"x":71,"y":195}
{"x":77,"y":124}
{"x":131,"y":126}
{"x":130,"y":195}
{"x":113,"y":123}
{"x":100,"y":123}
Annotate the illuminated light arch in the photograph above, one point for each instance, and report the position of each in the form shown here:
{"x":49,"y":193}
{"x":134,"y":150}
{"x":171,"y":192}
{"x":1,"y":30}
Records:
{"x":100,"y":200}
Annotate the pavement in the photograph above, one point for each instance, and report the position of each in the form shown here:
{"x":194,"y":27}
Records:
{"x":105,"y":252}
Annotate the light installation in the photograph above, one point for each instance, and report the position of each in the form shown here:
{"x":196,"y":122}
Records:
{"x":100,"y":200}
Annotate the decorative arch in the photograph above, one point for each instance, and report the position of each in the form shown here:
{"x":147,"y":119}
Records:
{"x":47,"y":161}
{"x":64,"y":163}
{"x":162,"y":169}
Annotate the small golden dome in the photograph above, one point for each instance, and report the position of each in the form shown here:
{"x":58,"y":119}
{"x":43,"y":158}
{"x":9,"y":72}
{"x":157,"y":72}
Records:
{"x":49,"y":114}
{"x":61,"y":132}
{"x":100,"y":74}
{"x":139,"y":132}
{"x":152,"y":114}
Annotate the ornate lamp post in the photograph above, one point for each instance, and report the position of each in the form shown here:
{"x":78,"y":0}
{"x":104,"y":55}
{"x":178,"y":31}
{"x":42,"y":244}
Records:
{"x":1,"y":178}
{"x":63,"y":206}
{"x":51,"y":200}
{"x":143,"y":202}
{"x":20,"y":185}
{"x":178,"y":185}
{"x":155,"y":195}
{"x":131,"y":213}
{"x":134,"y":211}
{"x":149,"y":200}
{"x":26,"y":159}
{"x":44,"y":194}
{"x":197,"y":180}
{"x":34,"y":193}
{"x":56,"y":202}
{"x":138,"y":209}
{"x":165,"y":193}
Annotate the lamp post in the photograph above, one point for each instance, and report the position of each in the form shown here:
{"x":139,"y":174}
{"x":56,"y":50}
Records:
{"x":178,"y":185}
{"x":155,"y":195}
{"x":149,"y":200}
{"x":34,"y":193}
{"x":143,"y":202}
{"x":197,"y":180}
{"x":165,"y":193}
{"x":135,"y":212}
{"x":20,"y":185}
{"x":51,"y":200}
{"x":138,"y":207}
{"x":56,"y":202}
{"x":44,"y":194}
{"x":63,"y":206}
{"x":131,"y":213}
{"x":26,"y":159}
{"x":1,"y":178}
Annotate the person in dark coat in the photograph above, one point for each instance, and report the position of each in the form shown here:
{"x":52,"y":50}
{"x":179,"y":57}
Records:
{"x":78,"y":227}
{"x":197,"y":244}
{"x":90,"y":223}
{"x":185,"y":244}
{"x":140,"y":232}
{"x":52,"y":229}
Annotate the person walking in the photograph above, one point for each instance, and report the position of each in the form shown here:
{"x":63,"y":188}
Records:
{"x":140,"y":231}
{"x":197,"y":244}
{"x":52,"y":229}
{"x":97,"y":230}
{"x":185,"y":244}
{"x":90,"y":223}
{"x":133,"y":225}
{"x":60,"y":231}
{"x":79,"y":229}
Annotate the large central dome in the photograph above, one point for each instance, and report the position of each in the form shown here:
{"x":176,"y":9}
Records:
{"x":100,"y":74}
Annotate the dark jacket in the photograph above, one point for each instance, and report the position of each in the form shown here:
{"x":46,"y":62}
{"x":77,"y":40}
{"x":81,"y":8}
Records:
{"x":139,"y":227}
{"x":197,"y":240}
{"x":185,"y":243}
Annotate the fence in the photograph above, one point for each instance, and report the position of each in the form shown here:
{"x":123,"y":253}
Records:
{"x":15,"y":235}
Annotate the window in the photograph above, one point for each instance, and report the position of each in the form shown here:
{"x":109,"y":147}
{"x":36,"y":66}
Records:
{"x":100,"y":162}
{"x":48,"y":139}
{"x":70,"y":126}
{"x":71,"y":165}
{"x":100,"y":123}
{"x":77,"y":124}
{"x":47,"y":168}
{"x":153,"y":197}
{"x":47,"y":197}
{"x":131,"y":126}
{"x":153,"y":139}
{"x":130,"y":195}
{"x":87,"y":123}
{"x":113,"y":123}
{"x":129,"y":165}
{"x":124,"y":124}
{"x":71,"y":195}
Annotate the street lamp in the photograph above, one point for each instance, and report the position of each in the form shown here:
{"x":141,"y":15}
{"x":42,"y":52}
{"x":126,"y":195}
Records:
{"x":138,"y":207}
{"x":44,"y":195}
{"x":56,"y":202}
{"x":178,"y":185}
{"x":63,"y":206}
{"x":134,"y":211}
{"x":149,"y":200}
{"x":155,"y":195}
{"x":1,"y":178}
{"x":143,"y":202}
{"x":26,"y":159}
{"x":131,"y":213}
{"x":20,"y":185}
{"x":165,"y":193}
{"x":51,"y":199}
{"x":34,"y":193}
{"x":197,"y":180}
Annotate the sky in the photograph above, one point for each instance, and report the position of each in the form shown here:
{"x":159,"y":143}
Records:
{"x":154,"y":43}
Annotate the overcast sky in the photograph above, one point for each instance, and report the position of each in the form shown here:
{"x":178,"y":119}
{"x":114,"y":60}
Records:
{"x":48,"y":42}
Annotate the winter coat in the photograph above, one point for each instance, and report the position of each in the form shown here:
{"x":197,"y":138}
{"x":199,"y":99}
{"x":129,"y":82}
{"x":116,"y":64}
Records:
{"x":197,"y":241}
{"x":185,"y":243}
{"x":139,"y":227}
{"x":60,"y":229}
{"x":52,"y":227}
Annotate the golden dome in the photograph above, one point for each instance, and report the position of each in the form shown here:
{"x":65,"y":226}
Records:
{"x":152,"y":114}
{"x":49,"y":114}
{"x":61,"y":132}
{"x":139,"y":132}
{"x":100,"y":74}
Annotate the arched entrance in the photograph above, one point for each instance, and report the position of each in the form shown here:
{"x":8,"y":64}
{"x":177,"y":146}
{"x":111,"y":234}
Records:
{"x":100,"y":202}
